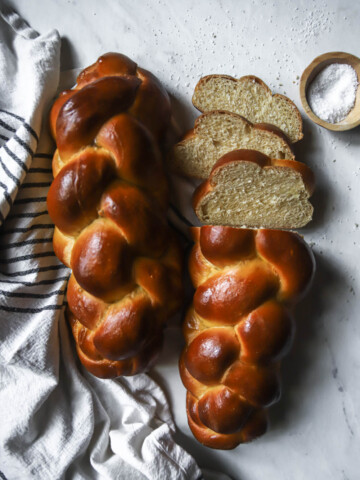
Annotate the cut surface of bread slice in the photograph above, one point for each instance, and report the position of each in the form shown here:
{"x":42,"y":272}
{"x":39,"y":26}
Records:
{"x":248,"y":189}
{"x":219,"y":132}
{"x":250,"y":97}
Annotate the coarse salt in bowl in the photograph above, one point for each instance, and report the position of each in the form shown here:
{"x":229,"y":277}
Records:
{"x":330,"y":92}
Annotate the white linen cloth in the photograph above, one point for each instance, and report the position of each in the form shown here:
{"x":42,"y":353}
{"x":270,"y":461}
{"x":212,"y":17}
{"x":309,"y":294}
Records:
{"x":56,"y":420}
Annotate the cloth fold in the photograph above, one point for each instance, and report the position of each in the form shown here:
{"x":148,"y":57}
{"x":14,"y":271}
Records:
{"x":57,"y":421}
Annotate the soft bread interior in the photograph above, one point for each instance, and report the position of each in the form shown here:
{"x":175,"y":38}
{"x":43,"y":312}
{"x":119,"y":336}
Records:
{"x":250,"y":99}
{"x":218,"y":133}
{"x":245,"y":194}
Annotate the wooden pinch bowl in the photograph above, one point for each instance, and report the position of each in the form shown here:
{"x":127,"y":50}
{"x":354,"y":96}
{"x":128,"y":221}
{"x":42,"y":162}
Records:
{"x":353,"y":118}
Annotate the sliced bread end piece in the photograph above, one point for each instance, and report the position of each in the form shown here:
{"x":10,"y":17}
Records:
{"x":219,"y":132}
{"x":248,"y":189}
{"x":250,"y":97}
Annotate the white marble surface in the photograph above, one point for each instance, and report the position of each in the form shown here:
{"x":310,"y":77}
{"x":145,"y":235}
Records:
{"x":315,"y":431}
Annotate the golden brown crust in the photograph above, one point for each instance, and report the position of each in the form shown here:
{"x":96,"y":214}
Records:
{"x":259,"y":159}
{"x":271,"y":130}
{"x":267,"y":127}
{"x":200,"y":192}
{"x":108,"y":198}
{"x":81,"y":116}
{"x":241,"y":329}
{"x":277,"y":131}
{"x":306,"y":173}
{"x":151,"y":105}
{"x":207,"y":78}
{"x":263,"y":160}
{"x":243,"y":155}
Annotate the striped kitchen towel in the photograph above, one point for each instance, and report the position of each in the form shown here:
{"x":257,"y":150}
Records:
{"x":56,"y":420}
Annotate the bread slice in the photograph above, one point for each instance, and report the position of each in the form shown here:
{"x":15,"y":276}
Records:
{"x":219,"y":132}
{"x":250,"y":97}
{"x":248,"y":189}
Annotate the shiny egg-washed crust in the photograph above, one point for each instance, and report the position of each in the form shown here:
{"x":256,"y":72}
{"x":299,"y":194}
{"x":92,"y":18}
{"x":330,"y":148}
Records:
{"x":108,"y":201}
{"x":264,"y":162}
{"x":270,"y":132}
{"x":239,"y":327}
{"x":298,"y":135}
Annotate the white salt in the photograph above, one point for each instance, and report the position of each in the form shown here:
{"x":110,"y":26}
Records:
{"x":331,"y":95}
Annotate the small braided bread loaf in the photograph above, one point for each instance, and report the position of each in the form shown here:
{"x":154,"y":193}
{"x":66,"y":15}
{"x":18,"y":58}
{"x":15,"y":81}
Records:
{"x":108,"y":201}
{"x":239,"y":327}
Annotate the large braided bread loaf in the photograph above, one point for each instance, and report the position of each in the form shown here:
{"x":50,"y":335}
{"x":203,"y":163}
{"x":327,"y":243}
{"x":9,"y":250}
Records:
{"x":108,"y":202}
{"x":239,"y":327}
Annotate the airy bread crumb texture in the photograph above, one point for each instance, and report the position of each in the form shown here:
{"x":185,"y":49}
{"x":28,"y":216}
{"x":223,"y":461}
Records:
{"x":245,"y":194}
{"x":217,"y":133}
{"x":251,"y":99}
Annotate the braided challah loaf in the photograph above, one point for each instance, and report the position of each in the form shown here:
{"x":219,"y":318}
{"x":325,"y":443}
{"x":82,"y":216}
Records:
{"x":108,"y":202}
{"x":239,"y":327}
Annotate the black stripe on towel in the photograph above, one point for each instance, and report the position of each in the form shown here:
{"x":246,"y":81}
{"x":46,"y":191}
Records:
{"x":26,"y":125}
{"x":35,"y":284}
{"x":2,"y":476}
{"x":43,"y":155}
{"x":26,"y":242}
{"x":34,"y":270}
{"x":30,"y":310}
{"x":9,"y":174}
{"x":27,"y":257}
{"x":35,"y":184}
{"x":30,"y":200}
{"x":40,"y":170}
{"x":15,"y":158}
{"x":31,"y":130}
{"x":38,"y":226}
{"x":6,"y":194}
{"x":18,"y":140}
{"x":32,"y":295}
{"x":6,"y":126}
{"x":24,"y":145}
{"x":27,"y":214}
